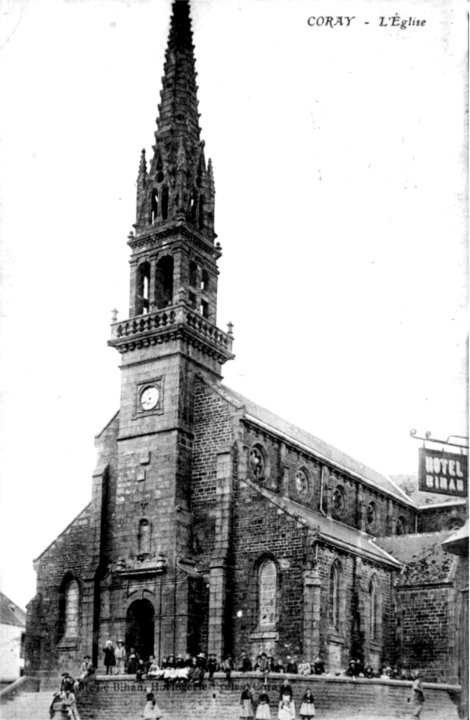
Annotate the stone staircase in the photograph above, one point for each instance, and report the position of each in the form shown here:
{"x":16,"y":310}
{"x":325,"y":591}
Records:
{"x":27,"y":706}
{"x":110,"y":698}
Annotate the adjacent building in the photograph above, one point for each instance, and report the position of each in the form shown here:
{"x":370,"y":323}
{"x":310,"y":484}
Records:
{"x":12,"y":638}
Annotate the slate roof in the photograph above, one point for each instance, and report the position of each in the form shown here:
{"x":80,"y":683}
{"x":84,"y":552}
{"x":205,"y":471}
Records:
{"x":10,"y":613}
{"x":330,"y":531}
{"x":318,"y":447}
{"x":457,"y":543}
{"x":424,"y":559}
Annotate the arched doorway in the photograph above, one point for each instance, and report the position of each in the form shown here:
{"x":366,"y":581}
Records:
{"x":140,"y":628}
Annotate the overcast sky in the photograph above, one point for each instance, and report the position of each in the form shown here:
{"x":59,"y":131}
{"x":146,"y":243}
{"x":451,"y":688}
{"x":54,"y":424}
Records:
{"x":340,"y":169}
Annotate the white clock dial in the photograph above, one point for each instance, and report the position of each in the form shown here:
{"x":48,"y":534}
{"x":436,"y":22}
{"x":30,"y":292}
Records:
{"x":149,"y":398}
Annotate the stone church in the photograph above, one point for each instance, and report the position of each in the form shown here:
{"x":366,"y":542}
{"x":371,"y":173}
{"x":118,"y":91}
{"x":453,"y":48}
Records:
{"x":213,"y":524}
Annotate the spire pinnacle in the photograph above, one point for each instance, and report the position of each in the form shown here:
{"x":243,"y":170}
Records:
{"x":178,"y":109}
{"x":142,"y":165}
{"x":178,"y":185}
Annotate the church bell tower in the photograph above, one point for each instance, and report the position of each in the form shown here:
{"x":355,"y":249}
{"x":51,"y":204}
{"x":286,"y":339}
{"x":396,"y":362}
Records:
{"x":169,"y":338}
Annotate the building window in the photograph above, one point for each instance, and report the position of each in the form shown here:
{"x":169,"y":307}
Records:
{"x":144,"y":537}
{"x":154,"y":204}
{"x":193,"y":207}
{"x":339,"y":504}
{"x":374,"y":609}
{"x":334,"y":599}
{"x":204,"y":308}
{"x":164,"y":282}
{"x":301,"y":483}
{"x":142,"y":289}
{"x":400,"y":526}
{"x":201,"y":213}
{"x":205,"y":281}
{"x":71,"y":609}
{"x":371,"y":517}
{"x":267,"y":594}
{"x":165,"y":202}
{"x":257,"y":462}
{"x":192,"y":274}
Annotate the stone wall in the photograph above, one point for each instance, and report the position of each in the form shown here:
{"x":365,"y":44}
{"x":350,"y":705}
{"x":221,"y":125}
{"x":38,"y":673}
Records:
{"x":334,"y":697}
{"x":47,"y":646}
{"x":435,"y":519}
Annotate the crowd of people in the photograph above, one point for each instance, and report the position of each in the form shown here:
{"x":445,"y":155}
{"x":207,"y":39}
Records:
{"x":259,"y":708}
{"x":64,"y":699}
{"x":179,"y":669}
{"x":194,"y":668}
{"x":175,"y":668}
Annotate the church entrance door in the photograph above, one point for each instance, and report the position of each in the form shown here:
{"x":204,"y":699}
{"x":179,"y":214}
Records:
{"x":140,"y":628}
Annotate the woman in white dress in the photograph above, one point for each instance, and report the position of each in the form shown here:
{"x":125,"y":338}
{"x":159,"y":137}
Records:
{"x":307,"y":709}
{"x":246,"y":703}
{"x":262,"y":711}
{"x":286,"y":709}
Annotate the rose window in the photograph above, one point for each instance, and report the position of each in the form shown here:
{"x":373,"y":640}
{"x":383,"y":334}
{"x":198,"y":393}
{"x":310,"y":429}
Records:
{"x":301,"y":483}
{"x":338,"y":501}
{"x":257,"y":462}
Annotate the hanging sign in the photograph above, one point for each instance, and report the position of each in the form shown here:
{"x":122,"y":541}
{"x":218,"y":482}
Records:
{"x":443,"y":472}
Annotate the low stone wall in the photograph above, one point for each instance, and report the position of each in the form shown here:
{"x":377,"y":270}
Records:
{"x":23,"y":684}
{"x":121,"y":698}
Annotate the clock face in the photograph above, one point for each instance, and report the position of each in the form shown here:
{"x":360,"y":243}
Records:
{"x":149,"y":397}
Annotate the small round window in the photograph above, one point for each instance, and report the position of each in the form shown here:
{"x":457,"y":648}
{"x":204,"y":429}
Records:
{"x":257,"y":462}
{"x":301,"y":483}
{"x":339,"y":504}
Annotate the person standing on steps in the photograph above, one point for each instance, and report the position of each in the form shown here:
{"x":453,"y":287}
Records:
{"x":120,"y":656}
{"x":417,"y":696}
{"x":307,"y":708}
{"x":151,"y":709}
{"x":246,"y":703}
{"x":263,"y":711}
{"x":109,"y":657}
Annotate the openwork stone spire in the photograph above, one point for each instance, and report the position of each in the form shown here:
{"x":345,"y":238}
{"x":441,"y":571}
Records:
{"x":177,"y":186}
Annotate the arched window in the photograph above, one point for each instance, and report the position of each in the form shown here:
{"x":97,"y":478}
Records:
{"x":155,"y":204}
{"x":193,"y":273}
{"x":204,"y":308}
{"x":204,"y":281}
{"x":144,"y":537}
{"x":334,"y":599}
{"x":164,"y":282}
{"x":193,"y":207}
{"x":374,"y":609}
{"x":142,"y":289}
{"x":201,"y":213}
{"x":372,"y":517}
{"x":267,"y":586}
{"x":164,"y":202}
{"x":71,"y":609}
{"x":400,"y":526}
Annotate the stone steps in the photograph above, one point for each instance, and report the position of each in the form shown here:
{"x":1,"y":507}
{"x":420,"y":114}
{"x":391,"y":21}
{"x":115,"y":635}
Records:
{"x":27,"y":706}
